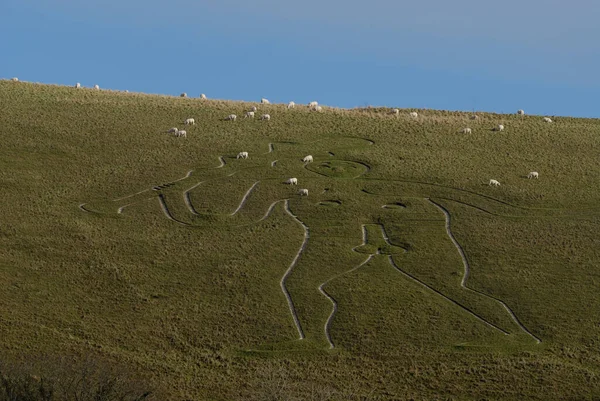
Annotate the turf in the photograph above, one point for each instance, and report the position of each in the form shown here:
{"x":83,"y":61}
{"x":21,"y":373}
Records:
{"x":211,"y":279}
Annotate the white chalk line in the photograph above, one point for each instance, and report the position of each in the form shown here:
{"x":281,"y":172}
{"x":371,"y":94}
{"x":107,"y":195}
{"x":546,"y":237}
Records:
{"x":330,"y":298}
{"x":120,"y":210}
{"x":409,"y":276}
{"x":187,"y":200}
{"x":470,"y":312}
{"x":467,"y":271}
{"x":383,"y":234}
{"x":187,"y":175}
{"x":333,"y":302}
{"x":269,"y":210}
{"x":289,"y":270}
{"x":245,"y":198}
{"x":165,"y":209}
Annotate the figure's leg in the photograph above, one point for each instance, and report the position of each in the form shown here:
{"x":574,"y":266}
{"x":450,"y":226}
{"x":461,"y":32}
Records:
{"x":436,"y":261}
{"x":322,"y":260}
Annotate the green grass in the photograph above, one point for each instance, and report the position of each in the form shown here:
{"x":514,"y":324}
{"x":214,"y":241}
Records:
{"x":194,"y":306}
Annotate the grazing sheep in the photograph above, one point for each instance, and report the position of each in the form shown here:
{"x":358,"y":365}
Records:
{"x":183,"y":94}
{"x":190,"y":121}
{"x":202,"y":96}
{"x":291,"y":105}
{"x":173,"y":131}
{"x":181,"y":133}
{"x":254,"y":109}
{"x":307,"y":159}
{"x":547,"y":120}
{"x":230,"y":117}
{"x":395,"y":111}
{"x":15,"y":79}
{"x":265,"y":117}
{"x":249,"y":114}
{"x":292,"y":181}
{"x":242,"y":155}
{"x":500,"y":127}
{"x":303,"y":192}
{"x":494,"y":183}
{"x":533,"y":174}
{"x":313,"y":104}
{"x":466,"y":130}
{"x":78,"y":85}
{"x":521,"y":112}
{"x":265,"y":101}
{"x":414,"y":114}
{"x":317,"y":108}
{"x":474,"y":117}
{"x":126,"y":91}
{"x":97,"y":87}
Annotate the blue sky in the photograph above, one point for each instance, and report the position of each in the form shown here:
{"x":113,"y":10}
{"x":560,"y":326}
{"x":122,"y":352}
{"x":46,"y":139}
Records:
{"x":541,"y":56}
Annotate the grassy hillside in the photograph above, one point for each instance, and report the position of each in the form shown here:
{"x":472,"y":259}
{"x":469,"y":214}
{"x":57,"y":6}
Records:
{"x":402,"y":275}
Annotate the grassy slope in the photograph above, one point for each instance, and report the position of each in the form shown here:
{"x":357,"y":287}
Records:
{"x":181,"y":304}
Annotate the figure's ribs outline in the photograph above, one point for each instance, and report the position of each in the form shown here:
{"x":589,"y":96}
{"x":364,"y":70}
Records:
{"x":188,"y":201}
{"x":467,"y":271}
{"x":167,"y":212}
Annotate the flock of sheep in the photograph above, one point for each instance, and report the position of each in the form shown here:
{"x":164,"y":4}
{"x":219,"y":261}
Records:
{"x":313,"y":106}
{"x":250,"y":114}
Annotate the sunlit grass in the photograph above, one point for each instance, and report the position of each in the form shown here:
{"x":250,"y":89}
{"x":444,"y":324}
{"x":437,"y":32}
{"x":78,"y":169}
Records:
{"x":197,"y":306}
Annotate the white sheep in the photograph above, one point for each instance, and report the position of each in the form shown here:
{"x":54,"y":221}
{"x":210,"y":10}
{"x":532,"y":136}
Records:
{"x":265,"y":101}
{"x":78,"y":85}
{"x":231,"y":117}
{"x":494,"y":183}
{"x":173,"y":131}
{"x":533,"y":174}
{"x":521,"y":112}
{"x":547,"y":120}
{"x":474,"y":117}
{"x":254,"y":109}
{"x":249,"y":114}
{"x":97,"y":87}
{"x":467,"y":130}
{"x":303,"y":192}
{"x":292,"y":181}
{"x":499,"y":127}
{"x":242,"y":155}
{"x":317,"y":108}
{"x":190,"y":121}
{"x":265,"y":117}
{"x":414,"y":114}
{"x":307,"y":159}
{"x":202,"y":96}
{"x":183,"y":94}
{"x":396,"y":111}
{"x":181,"y":133}
{"x":15,"y":79}
{"x":313,"y":104}
{"x":291,"y":105}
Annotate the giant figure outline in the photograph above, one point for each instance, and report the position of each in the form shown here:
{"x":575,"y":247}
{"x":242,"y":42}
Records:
{"x":375,"y":240}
